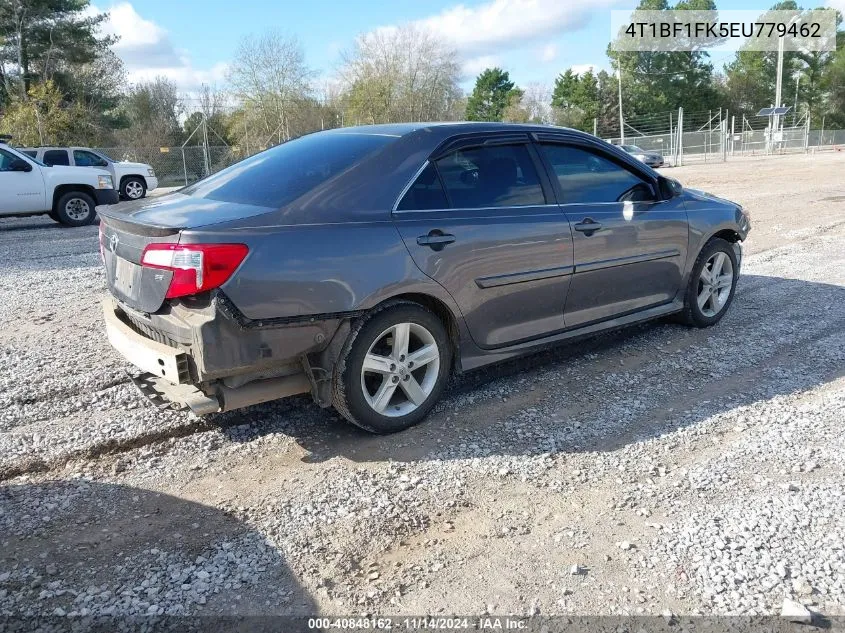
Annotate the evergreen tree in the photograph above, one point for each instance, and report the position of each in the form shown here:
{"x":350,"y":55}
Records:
{"x":493,"y":93}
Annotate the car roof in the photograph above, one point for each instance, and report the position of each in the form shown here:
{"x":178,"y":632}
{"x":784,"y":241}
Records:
{"x":447,"y":127}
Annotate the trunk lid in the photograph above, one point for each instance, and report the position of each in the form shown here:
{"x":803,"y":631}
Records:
{"x":122,"y":244}
{"x":127,"y":228}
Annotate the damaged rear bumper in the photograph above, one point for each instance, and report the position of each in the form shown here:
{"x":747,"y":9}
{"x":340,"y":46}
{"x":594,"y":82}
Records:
{"x":183,"y":368}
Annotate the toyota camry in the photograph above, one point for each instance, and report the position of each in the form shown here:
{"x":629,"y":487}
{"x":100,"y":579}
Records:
{"x":365,"y":265}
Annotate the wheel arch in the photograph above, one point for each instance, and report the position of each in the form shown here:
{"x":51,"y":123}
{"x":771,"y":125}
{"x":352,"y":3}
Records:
{"x":441,"y":310}
{"x":125,"y":177}
{"x":61,"y":190}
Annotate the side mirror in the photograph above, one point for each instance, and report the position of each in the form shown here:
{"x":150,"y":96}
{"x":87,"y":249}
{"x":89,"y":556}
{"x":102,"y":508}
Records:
{"x":669,"y":187}
{"x":19,"y":164}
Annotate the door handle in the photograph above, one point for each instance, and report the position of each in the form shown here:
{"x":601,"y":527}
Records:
{"x":588,"y":226}
{"x":436,"y":240}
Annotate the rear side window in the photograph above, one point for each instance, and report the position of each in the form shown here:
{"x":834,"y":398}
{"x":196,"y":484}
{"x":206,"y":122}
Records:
{"x":84,"y":158}
{"x":56,"y":157}
{"x":29,"y":152}
{"x":587,"y":177}
{"x":280,"y":175}
{"x":425,"y":194}
{"x":496,"y":176}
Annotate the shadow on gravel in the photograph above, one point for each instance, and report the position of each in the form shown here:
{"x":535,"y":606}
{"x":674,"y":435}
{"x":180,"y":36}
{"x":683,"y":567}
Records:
{"x":78,"y":545}
{"x":594,"y":413}
{"x":30,"y":223}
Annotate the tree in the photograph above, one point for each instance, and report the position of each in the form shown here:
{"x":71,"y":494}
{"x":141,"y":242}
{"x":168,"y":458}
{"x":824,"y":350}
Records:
{"x":833,"y":83}
{"x":212,"y":110}
{"x":270,"y":77}
{"x":42,"y":118}
{"x":399,"y":74}
{"x":45,"y":40}
{"x":580,"y":100}
{"x":657,"y":81}
{"x":152,"y":110}
{"x":491,"y":95}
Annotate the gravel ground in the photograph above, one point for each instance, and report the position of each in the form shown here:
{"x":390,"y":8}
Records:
{"x":656,"y":470}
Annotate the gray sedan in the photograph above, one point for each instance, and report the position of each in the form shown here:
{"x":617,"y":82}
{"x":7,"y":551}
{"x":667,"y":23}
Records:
{"x":652,"y":159}
{"x":365,"y":265}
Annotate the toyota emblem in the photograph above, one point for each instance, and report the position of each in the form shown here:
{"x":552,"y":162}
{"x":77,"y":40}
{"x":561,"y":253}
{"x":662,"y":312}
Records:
{"x":113,"y":240}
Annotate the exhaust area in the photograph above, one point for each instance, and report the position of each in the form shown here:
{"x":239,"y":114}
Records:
{"x":165,"y":395}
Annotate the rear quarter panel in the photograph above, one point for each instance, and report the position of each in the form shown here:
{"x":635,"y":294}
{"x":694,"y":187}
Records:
{"x":313,"y":270}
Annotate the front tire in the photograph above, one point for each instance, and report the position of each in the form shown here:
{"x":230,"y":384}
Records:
{"x":712,"y":284}
{"x":133,"y":188}
{"x":75,"y":208}
{"x":393,"y":368}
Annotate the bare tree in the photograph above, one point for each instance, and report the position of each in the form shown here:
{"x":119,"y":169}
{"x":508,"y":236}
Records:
{"x":400,"y":74}
{"x":270,"y":77}
{"x":537,"y":100}
{"x":153,"y":110}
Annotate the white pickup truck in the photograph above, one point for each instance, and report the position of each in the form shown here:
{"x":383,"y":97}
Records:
{"x":67,"y":194}
{"x":132,"y":180}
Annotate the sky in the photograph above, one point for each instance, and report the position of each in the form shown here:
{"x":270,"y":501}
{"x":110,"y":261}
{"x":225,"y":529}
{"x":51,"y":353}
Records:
{"x":192,"y":41}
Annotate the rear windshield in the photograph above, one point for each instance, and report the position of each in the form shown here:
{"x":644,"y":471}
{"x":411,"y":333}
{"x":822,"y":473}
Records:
{"x":280,"y":175}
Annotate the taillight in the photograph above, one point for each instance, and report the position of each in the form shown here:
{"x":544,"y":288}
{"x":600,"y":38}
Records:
{"x":196,"y":267}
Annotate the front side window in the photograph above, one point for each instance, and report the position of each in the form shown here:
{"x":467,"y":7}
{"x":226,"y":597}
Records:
{"x":425,"y":194}
{"x":56,"y":157}
{"x":495,"y":176}
{"x":6,"y":160}
{"x":587,"y":177}
{"x":29,"y":152}
{"x":83,"y":158}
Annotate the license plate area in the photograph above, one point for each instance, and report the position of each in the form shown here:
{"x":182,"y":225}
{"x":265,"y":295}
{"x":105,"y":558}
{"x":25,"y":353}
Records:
{"x":125,"y":276}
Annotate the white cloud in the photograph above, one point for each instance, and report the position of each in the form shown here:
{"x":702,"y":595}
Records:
{"x":476,"y":65}
{"x":548,"y":53}
{"x":580,"y":69}
{"x":505,"y":23}
{"x":147,"y":50}
{"x":837,"y":4}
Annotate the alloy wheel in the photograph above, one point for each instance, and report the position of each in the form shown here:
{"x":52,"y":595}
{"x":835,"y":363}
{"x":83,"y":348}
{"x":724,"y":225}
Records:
{"x":715,"y":284}
{"x":400,"y":369}
{"x":134,"y":189}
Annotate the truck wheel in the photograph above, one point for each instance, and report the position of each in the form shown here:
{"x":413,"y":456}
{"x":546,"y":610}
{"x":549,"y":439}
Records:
{"x":393,"y":368}
{"x":133,"y":188}
{"x":75,"y":208}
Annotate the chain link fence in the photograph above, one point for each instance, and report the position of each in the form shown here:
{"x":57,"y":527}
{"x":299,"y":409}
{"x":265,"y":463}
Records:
{"x":715,"y":136}
{"x":178,"y":166}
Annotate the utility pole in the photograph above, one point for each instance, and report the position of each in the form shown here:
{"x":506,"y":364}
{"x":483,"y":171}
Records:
{"x":778,"y":87}
{"x":621,"y":118}
{"x":795,"y":106}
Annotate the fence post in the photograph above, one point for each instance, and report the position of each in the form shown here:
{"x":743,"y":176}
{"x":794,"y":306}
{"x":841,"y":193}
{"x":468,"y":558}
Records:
{"x":184,"y":165}
{"x":807,"y":134}
{"x":680,"y":146}
{"x":821,"y":134}
{"x":733,"y":132}
{"x":671,"y":137}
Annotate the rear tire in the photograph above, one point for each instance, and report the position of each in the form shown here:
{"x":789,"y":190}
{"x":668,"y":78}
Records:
{"x":712,"y":283}
{"x":408,"y":357}
{"x":75,"y":208}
